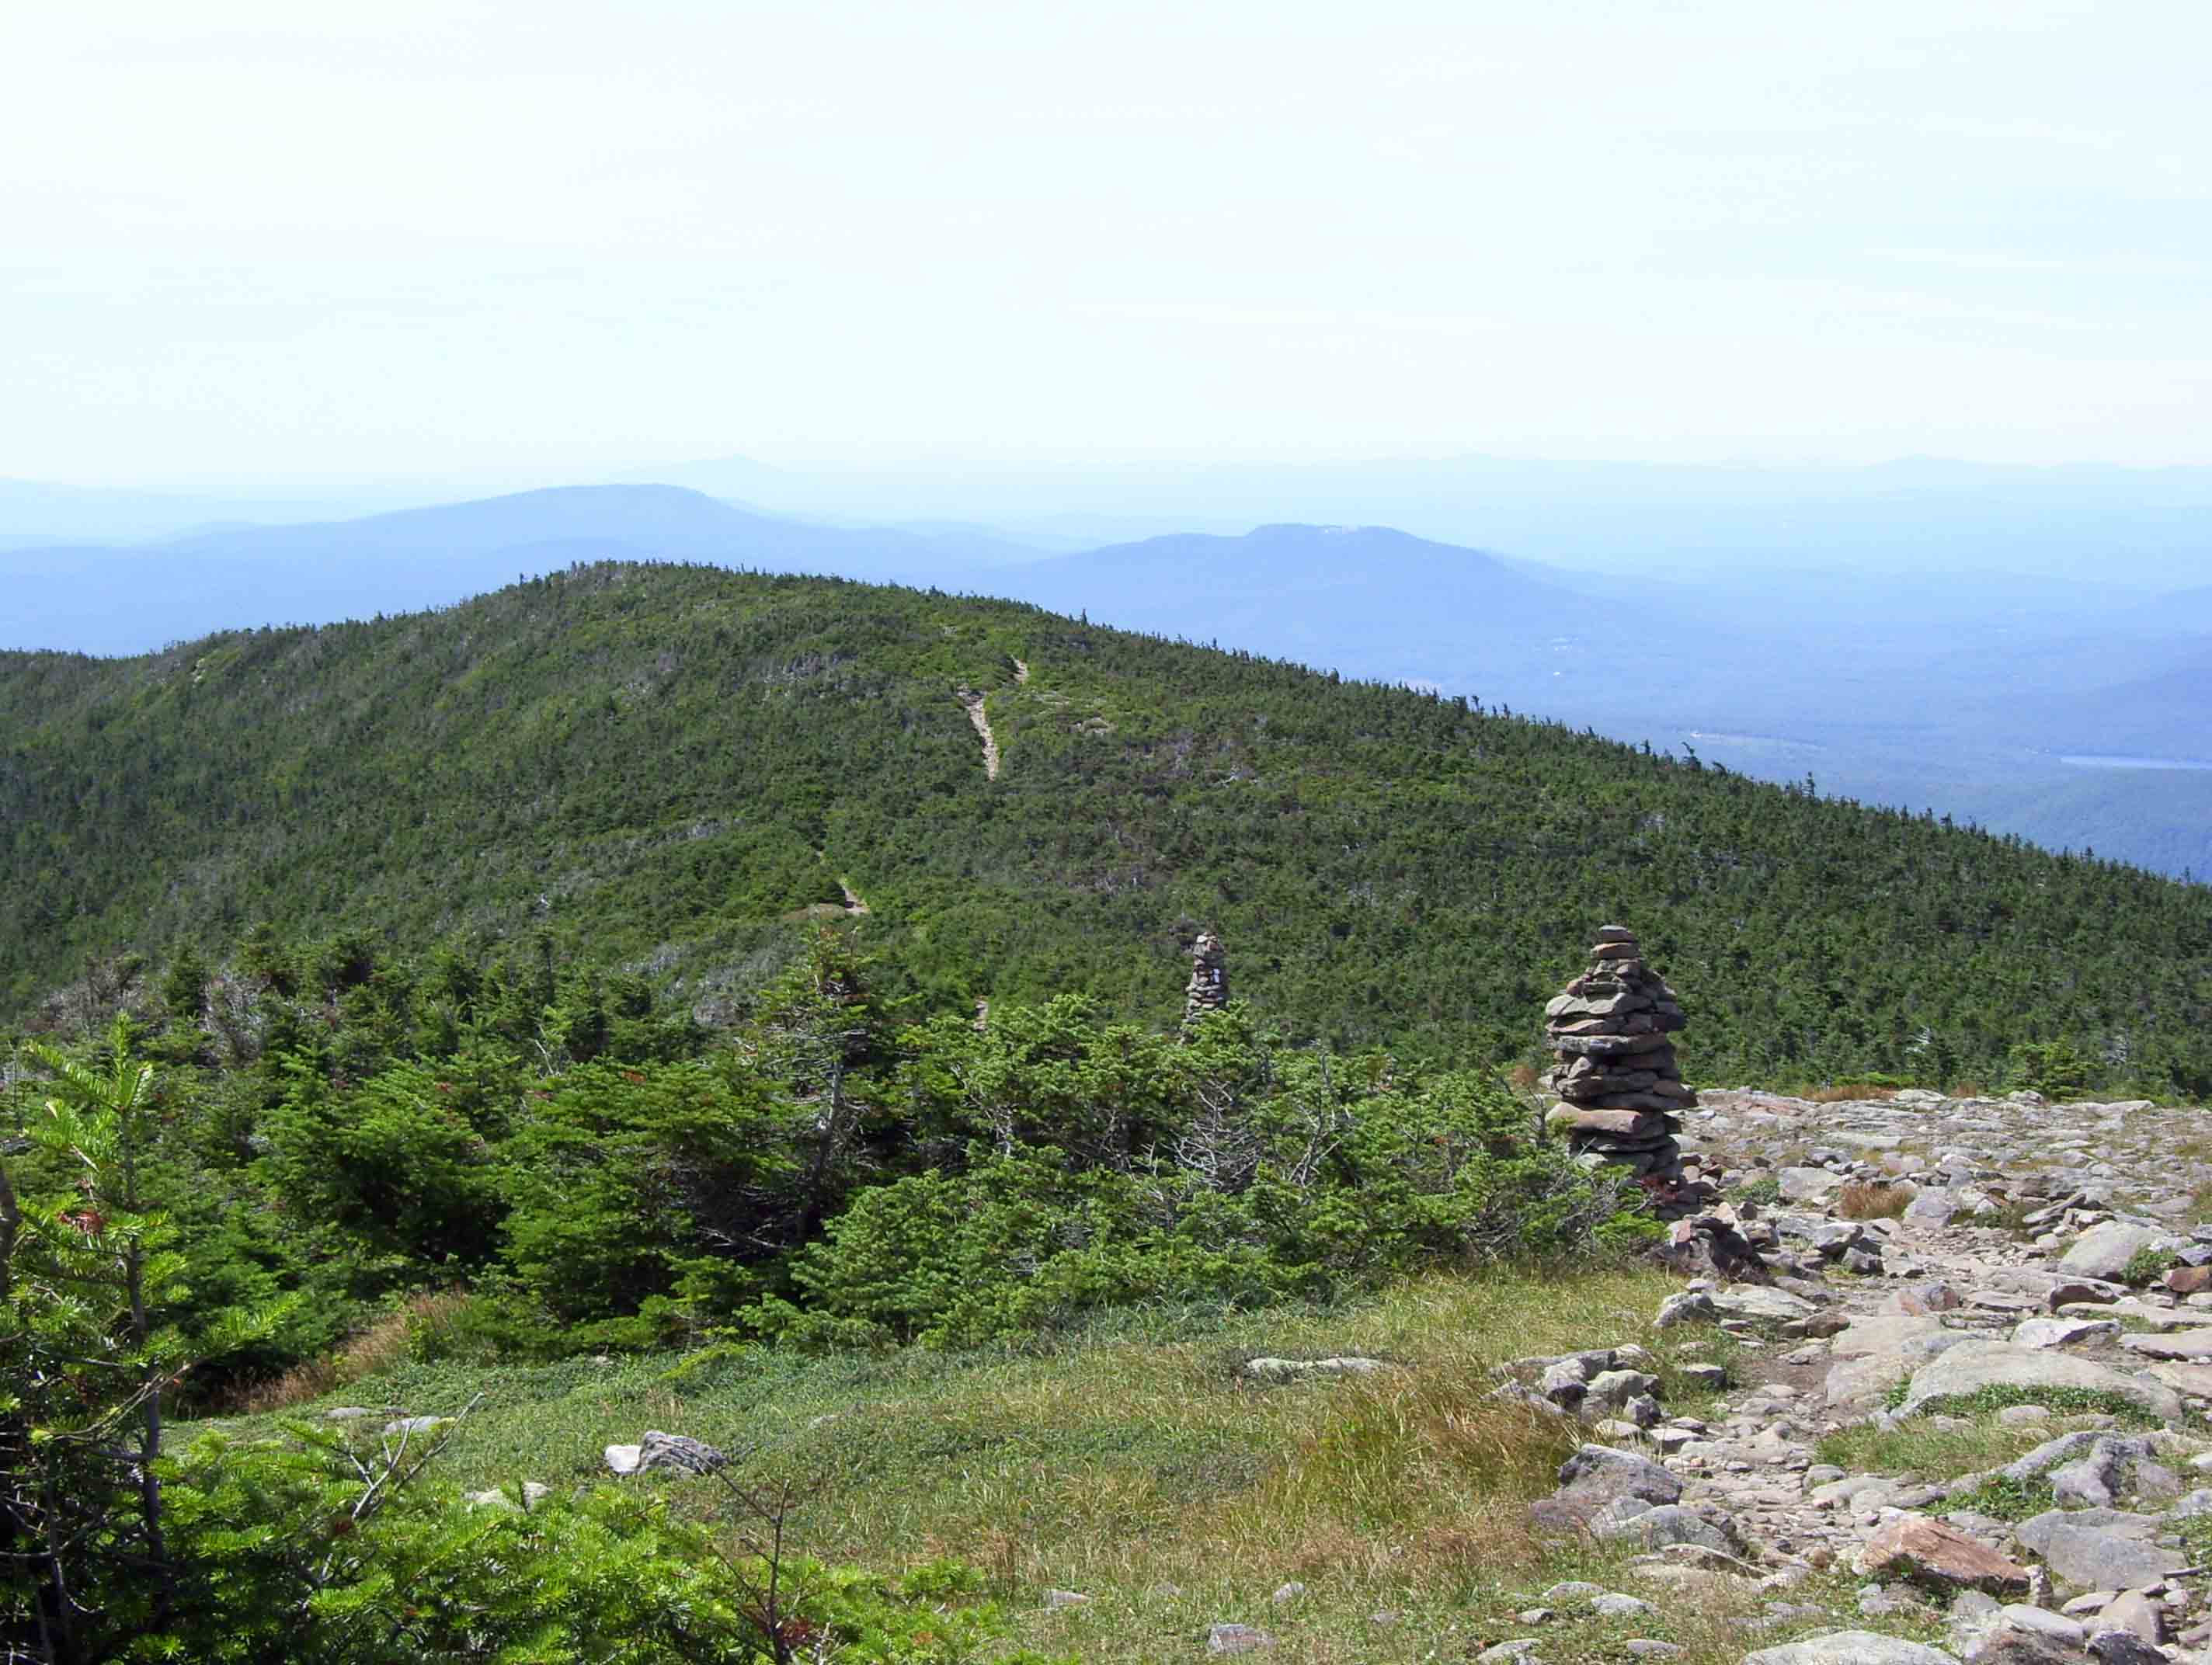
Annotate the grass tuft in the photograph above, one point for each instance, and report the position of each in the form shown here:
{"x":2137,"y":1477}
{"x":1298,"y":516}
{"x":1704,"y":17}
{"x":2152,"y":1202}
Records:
{"x":1842,"y":1092}
{"x":1917,"y":1447}
{"x":2065,"y":1402}
{"x":384,"y":1344}
{"x":1862,"y":1199}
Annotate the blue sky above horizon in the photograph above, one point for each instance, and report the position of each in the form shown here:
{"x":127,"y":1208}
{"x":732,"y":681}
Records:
{"x":254,"y":242}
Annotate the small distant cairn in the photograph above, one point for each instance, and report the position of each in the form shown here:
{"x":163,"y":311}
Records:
{"x":1209,"y":979}
{"x":1617,"y":1075}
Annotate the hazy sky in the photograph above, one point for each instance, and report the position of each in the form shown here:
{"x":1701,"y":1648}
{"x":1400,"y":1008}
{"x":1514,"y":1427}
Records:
{"x":251,"y":241}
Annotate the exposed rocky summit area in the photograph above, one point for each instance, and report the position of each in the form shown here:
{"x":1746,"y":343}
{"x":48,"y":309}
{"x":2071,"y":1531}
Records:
{"x":1945,"y":1283}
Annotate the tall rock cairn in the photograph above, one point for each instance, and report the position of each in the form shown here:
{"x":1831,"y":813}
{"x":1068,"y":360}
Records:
{"x":1616,"y":1073}
{"x":1208,"y":990}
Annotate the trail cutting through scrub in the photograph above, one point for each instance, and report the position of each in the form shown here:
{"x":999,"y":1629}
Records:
{"x":974,"y":701}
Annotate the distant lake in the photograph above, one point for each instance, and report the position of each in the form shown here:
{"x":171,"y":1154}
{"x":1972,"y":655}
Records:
{"x":1773,"y":741}
{"x":2116,"y":760}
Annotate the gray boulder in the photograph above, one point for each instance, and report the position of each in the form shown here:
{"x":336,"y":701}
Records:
{"x":2099,"y":1548}
{"x":657,"y":1450}
{"x":2133,"y":1612}
{"x":1929,"y":1209}
{"x":1669,"y":1524}
{"x":1852,"y":1647}
{"x":1614,"y":1389}
{"x":2050,"y":1454}
{"x":2103,"y":1251}
{"x":1298,"y":1370}
{"x":2022,"y":1635}
{"x":2090,"y":1481}
{"x":2124,"y":1647}
{"x":1875,"y":1351}
{"x":1601,"y":1471}
{"x":1564,"y":1384}
{"x":2063,"y":1332}
{"x":1758,"y":1302}
{"x":2192,"y":1347}
{"x":1809,"y":1185}
{"x":1973,"y":1365}
{"x":1691,"y":1306}
{"x":1236,"y":1639}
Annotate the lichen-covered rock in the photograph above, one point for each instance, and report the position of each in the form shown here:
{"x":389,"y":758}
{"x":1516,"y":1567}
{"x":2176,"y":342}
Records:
{"x":1852,"y":1647}
{"x":1691,"y":1306}
{"x":1298,"y":1370}
{"x":1221,"y":1639}
{"x":659,"y":1450}
{"x":1601,"y":1471}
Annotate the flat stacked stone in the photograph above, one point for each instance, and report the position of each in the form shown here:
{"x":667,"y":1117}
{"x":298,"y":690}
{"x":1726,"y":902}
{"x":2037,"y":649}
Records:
{"x":1616,"y":1074}
{"x":1208,"y":989}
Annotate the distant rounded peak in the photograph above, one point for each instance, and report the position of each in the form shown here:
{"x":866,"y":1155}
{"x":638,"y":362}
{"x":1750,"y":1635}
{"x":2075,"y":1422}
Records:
{"x":643,"y":491}
{"x":1303,"y":529}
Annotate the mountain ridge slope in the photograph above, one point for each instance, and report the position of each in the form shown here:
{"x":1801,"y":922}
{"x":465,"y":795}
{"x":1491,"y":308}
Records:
{"x":674,"y":765}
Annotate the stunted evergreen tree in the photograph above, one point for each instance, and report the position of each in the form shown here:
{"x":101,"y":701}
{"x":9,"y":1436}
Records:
{"x":89,"y":1273}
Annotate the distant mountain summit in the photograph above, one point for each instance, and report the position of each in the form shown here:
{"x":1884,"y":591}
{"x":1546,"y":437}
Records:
{"x":1362,"y":600}
{"x":108,"y":599}
{"x":1367,"y":601}
{"x":631,"y":512}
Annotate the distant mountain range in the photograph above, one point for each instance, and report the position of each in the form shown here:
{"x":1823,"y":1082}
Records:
{"x":126,"y":599}
{"x":2136,"y":527}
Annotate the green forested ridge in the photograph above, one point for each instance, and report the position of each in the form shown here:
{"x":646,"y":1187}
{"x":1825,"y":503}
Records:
{"x":660,"y":766}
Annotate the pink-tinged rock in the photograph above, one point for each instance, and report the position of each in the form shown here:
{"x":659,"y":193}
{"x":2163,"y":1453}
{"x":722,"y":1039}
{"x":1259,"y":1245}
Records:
{"x":1919,"y":1546}
{"x":1936,"y":1297}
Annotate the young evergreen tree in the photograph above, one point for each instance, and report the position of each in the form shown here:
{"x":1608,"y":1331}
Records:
{"x":89,"y":1273}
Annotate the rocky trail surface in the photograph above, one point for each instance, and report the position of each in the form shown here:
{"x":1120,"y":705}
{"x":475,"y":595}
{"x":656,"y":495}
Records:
{"x":1979,"y":1382}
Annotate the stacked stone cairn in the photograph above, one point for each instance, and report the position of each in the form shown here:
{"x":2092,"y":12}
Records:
{"x":1208,"y":990}
{"x":1617,"y":1076}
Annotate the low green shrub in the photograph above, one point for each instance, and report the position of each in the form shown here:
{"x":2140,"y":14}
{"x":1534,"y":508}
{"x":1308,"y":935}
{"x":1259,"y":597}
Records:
{"x":1016,"y":1241}
{"x":2052,"y":1068}
{"x":2003,"y":1498}
{"x":282,"y":1549}
{"x":2147,"y":1265}
{"x":2064,"y":1402}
